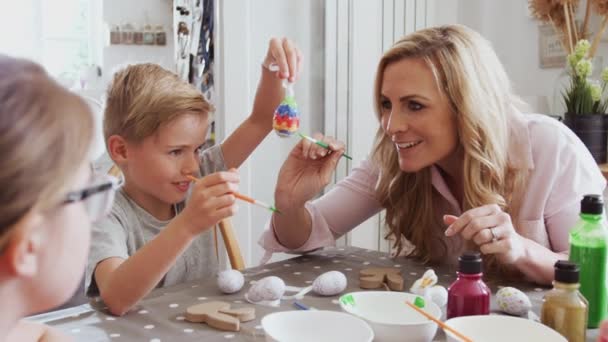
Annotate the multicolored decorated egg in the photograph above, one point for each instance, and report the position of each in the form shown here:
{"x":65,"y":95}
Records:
{"x":512,"y":301}
{"x":286,"y":120}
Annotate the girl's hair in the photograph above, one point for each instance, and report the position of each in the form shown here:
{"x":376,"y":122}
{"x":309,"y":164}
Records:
{"x":469,"y":74}
{"x":45,"y":135}
{"x":142,"y":97}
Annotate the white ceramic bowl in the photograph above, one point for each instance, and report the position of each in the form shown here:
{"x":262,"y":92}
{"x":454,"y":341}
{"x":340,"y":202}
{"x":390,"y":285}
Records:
{"x":499,"y":328}
{"x":315,"y":325}
{"x":389,"y":316}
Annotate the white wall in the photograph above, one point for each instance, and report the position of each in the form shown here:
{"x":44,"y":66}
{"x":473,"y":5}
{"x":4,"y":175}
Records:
{"x":514,"y":36}
{"x":17,"y":29}
{"x":244,"y":29}
{"x":158,"y":12}
{"x":357,"y":33}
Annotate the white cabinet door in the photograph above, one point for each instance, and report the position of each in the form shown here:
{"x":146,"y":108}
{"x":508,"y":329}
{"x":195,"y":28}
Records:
{"x":244,"y":28}
{"x":356,"y":34}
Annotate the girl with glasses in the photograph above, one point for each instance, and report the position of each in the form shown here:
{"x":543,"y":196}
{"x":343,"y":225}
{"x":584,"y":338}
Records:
{"x":48,"y":199}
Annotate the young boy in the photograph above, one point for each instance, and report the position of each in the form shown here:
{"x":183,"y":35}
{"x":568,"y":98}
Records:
{"x":154,"y":126}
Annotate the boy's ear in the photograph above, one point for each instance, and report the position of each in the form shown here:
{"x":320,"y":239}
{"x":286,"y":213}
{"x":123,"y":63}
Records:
{"x":21,"y":253}
{"x":117,"y":149}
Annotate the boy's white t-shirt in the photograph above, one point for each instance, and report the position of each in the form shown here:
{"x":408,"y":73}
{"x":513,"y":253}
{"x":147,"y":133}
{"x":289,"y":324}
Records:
{"x":129,"y":227}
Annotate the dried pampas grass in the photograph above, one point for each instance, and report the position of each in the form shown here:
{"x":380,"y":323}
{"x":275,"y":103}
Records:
{"x":600,"y":7}
{"x":562,"y":15}
{"x":541,"y":9}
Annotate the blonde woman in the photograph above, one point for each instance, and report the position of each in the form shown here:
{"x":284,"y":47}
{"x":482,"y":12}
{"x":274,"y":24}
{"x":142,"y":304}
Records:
{"x":48,"y":196}
{"x":455,"y":165}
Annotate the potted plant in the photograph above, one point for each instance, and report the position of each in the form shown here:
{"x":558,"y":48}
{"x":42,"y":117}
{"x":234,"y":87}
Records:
{"x":585,"y":102}
{"x":583,"y":98}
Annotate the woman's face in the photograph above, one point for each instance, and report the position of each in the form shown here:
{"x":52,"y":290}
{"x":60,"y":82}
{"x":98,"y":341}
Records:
{"x":416,"y":116}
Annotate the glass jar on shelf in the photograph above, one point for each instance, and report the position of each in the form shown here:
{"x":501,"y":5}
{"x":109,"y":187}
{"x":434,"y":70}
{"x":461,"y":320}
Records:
{"x":161,"y":35}
{"x":149,"y":35}
{"x":138,"y":36}
{"x":115,"y":34}
{"x":126,"y":34}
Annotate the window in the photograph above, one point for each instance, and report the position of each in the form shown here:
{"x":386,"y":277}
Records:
{"x":59,"y":34}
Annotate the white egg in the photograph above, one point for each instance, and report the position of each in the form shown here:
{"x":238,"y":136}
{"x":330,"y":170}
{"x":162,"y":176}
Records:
{"x":513,"y":301}
{"x":438,"y":294}
{"x":329,"y":283}
{"x":267,"y":289}
{"x":230,"y":281}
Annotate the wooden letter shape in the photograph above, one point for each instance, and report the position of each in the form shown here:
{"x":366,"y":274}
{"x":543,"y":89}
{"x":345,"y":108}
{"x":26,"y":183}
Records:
{"x":373,"y":278}
{"x":219,"y":315}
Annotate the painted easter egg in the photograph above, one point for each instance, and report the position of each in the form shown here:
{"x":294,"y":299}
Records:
{"x":230,"y":281}
{"x":329,"y":283}
{"x":267,"y":289}
{"x":286,"y":120}
{"x":512,"y":301}
{"x":420,"y":286}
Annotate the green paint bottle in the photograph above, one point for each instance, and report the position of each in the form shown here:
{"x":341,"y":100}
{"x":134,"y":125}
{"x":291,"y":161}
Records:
{"x":588,"y":248}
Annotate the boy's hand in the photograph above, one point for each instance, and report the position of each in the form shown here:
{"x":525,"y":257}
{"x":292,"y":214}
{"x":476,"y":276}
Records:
{"x":286,"y":56}
{"x":283,"y":61}
{"x":211,"y":201}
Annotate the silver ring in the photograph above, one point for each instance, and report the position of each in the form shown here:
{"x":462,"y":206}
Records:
{"x":494,"y":237}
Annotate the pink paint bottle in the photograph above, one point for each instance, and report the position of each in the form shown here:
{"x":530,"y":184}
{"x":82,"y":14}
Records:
{"x":468,"y":295}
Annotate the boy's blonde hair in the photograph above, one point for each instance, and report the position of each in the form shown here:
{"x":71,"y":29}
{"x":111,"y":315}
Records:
{"x":142,"y":97}
{"x":45,"y":135}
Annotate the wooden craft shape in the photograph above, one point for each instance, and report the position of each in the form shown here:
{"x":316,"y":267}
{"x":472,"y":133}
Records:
{"x":219,"y":315}
{"x":375,"y":277}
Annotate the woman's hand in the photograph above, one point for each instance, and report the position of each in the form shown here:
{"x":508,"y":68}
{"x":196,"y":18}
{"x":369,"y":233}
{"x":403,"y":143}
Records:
{"x":491,"y":229}
{"x":306,"y":171}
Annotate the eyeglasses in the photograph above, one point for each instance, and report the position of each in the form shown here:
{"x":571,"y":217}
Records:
{"x":97,"y":197}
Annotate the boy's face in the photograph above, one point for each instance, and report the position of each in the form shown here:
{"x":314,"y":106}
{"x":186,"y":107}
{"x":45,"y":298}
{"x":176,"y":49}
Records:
{"x":157,"y":168}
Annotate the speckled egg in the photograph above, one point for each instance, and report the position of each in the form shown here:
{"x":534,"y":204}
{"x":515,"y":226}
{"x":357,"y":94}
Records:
{"x":512,"y":301}
{"x":329,"y":283}
{"x":267,"y":289}
{"x":230,"y":281}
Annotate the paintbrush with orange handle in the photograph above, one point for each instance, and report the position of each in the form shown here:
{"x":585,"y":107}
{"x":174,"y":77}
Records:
{"x":439,"y":322}
{"x":247,"y":199}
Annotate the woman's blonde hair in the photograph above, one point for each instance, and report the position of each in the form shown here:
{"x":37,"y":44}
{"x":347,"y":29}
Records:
{"x":45,"y":135}
{"x":142,"y":97}
{"x":469,"y":74}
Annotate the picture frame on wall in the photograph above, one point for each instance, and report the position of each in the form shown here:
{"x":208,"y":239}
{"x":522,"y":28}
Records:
{"x":551,"y":53}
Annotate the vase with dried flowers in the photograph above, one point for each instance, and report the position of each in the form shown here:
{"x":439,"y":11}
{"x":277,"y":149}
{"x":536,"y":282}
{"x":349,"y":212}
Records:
{"x":581,"y":96}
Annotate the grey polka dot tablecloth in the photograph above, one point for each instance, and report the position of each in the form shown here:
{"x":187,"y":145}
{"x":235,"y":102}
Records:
{"x":160,"y":316}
